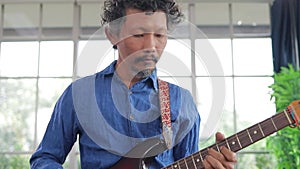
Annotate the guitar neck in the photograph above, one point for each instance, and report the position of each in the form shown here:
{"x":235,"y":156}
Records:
{"x":237,"y":141}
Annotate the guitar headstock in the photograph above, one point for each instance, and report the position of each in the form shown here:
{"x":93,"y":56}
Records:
{"x":294,"y":108}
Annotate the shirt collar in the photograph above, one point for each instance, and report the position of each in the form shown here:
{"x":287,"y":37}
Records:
{"x":110,"y":70}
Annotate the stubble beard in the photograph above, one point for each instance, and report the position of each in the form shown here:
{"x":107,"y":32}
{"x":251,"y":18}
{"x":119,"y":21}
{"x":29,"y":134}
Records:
{"x":141,"y":74}
{"x":144,"y":73}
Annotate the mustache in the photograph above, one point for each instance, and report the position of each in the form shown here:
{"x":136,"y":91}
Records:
{"x":147,"y":57}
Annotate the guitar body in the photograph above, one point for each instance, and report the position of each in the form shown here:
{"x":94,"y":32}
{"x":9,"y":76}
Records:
{"x":141,"y":155}
{"x":128,"y":163}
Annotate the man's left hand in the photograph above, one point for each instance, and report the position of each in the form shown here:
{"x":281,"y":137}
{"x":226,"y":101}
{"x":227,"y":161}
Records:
{"x":225,"y":159}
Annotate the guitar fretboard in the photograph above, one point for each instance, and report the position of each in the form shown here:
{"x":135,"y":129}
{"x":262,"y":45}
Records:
{"x":237,"y":141}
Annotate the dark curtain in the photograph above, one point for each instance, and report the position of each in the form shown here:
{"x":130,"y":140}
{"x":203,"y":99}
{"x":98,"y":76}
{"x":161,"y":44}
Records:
{"x":285,"y":33}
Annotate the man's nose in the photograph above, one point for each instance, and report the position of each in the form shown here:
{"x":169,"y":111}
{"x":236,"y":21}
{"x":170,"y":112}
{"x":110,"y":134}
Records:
{"x":149,"y":43}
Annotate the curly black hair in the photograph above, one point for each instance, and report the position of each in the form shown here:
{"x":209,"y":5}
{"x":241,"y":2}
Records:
{"x":113,"y":10}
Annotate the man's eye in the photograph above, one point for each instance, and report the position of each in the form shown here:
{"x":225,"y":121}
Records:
{"x":138,"y":35}
{"x":160,"y":35}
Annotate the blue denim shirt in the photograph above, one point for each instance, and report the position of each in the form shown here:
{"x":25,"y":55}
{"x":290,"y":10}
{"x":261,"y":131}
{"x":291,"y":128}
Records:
{"x":109,"y":120}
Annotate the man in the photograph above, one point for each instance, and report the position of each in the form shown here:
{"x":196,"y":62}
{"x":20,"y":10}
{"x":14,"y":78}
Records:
{"x":120,"y":107}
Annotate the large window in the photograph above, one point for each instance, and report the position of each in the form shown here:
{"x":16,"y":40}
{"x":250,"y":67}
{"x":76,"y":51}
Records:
{"x":41,"y":44}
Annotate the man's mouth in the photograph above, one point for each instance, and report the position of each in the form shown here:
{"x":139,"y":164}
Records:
{"x":147,"y":59}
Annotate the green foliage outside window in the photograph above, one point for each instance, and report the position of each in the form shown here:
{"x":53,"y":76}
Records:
{"x":16,"y":106}
{"x":286,"y":143}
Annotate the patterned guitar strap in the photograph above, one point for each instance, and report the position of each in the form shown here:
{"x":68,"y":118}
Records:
{"x":164,"y":99}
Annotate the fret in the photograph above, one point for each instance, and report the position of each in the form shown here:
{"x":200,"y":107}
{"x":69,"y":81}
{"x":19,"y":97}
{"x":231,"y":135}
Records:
{"x":281,"y":120}
{"x":198,"y":159}
{"x":237,"y":138}
{"x":201,"y":158}
{"x":215,"y":147}
{"x":287,"y":116}
{"x":274,"y":124}
{"x":244,"y":138}
{"x":249,"y":136}
{"x":233,"y":143}
{"x":227,"y":144}
{"x":194,"y":162}
{"x":261,"y":130}
{"x":181,"y":164}
{"x":204,"y":153}
{"x":254,"y":133}
{"x":189,"y":161}
{"x":218,"y":148}
{"x":267,"y":127}
{"x":222,"y":143}
{"x":185,"y":163}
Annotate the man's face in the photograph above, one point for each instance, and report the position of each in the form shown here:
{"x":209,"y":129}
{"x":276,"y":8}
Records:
{"x":142,"y":39}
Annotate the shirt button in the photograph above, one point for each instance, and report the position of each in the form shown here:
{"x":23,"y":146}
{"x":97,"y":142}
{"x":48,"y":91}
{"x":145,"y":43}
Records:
{"x":131,"y":117}
{"x":130,"y":92}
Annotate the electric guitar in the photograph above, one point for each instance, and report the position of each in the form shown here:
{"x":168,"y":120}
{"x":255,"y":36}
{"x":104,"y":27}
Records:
{"x":288,"y":117}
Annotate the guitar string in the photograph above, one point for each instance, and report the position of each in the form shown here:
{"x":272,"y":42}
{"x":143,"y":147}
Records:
{"x":242,"y":136}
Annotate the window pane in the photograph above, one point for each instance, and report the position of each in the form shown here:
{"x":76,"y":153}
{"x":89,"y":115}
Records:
{"x":21,"y":20}
{"x":221,"y":49}
{"x":90,"y":14}
{"x":11,"y":161}
{"x":212,"y":14}
{"x":21,"y":15}
{"x":252,"y":56}
{"x":90,"y":23}
{"x":19,"y":59}
{"x":93,"y":56}
{"x":177,"y":54}
{"x":185,"y":82}
{"x":213,"y":57}
{"x":251,"y":18}
{"x":17,"y":107}
{"x":213,"y":18}
{"x":56,"y":58}
{"x":210,"y":118}
{"x":49,"y":91}
{"x":57,"y":15}
{"x":57,"y":20}
{"x":253,"y":102}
